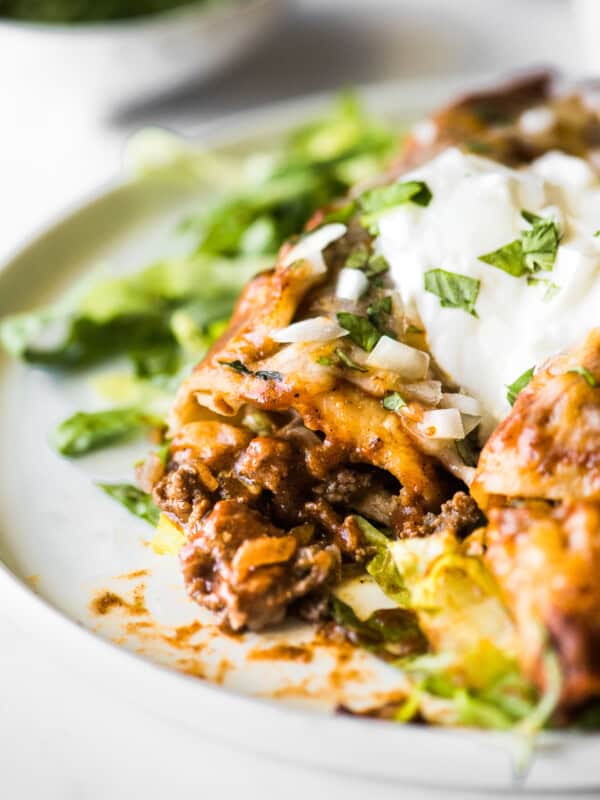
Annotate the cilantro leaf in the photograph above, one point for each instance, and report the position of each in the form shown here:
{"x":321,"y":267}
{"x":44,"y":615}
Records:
{"x":508,"y":258}
{"x":265,"y":374}
{"x":357,"y":259}
{"x":372,"y":265}
{"x":586,"y":375}
{"x":375,"y":202}
{"x":377,"y":266}
{"x":237,"y":366}
{"x":552,"y":289}
{"x":377,"y":311}
{"x":534,"y":251}
{"x":454,"y":290}
{"x":361,"y":329}
{"x":516,"y":386}
{"x":393,"y":402}
{"x":540,"y":245}
{"x":268,"y":375}
{"x":349,"y":362}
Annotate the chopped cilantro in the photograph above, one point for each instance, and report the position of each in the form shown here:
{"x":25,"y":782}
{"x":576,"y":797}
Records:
{"x":552,"y":289}
{"x":597,"y":232}
{"x":413,"y":329}
{"x":349,"y":362}
{"x":265,"y":374}
{"x":358,"y":258}
{"x":237,"y":365}
{"x":361,"y":329}
{"x":371,"y":265}
{"x":377,"y":312}
{"x":585,"y":374}
{"x":380,"y":199}
{"x":377,"y":266}
{"x":534,"y":251}
{"x":516,"y":386}
{"x":393,"y":402}
{"x":383,"y":305}
{"x":268,"y":375}
{"x":540,"y":245}
{"x":508,"y":258}
{"x":325,"y":361}
{"x":454,"y":290}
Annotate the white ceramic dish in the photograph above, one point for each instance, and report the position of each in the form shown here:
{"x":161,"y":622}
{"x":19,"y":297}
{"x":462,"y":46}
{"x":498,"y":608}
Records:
{"x":124,"y":61}
{"x":64,"y":545}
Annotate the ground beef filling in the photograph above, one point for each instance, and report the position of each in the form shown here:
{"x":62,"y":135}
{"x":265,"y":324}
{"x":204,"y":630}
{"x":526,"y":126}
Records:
{"x":269,"y":519}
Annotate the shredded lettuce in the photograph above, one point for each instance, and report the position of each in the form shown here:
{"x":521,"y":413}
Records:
{"x":134,"y":500}
{"x":389,"y":633}
{"x":318,"y":163}
{"x":84,"y":432}
{"x":470,"y":675}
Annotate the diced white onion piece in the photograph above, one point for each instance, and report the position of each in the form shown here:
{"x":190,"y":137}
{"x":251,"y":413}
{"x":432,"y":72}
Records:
{"x":408,"y":361}
{"x":463,"y":402}
{"x":316,"y":329}
{"x":470,"y":423}
{"x":311,"y":247}
{"x":443,"y":423}
{"x":536,"y":121}
{"x":425,"y":132}
{"x":352,"y":284}
{"x":429,"y":392}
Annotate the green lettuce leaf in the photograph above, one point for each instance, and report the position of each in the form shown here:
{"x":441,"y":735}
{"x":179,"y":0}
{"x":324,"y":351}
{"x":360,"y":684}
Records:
{"x":84,"y":432}
{"x":135,"y":500}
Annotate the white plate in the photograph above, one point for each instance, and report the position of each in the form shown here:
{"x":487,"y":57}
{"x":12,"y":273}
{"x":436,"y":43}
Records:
{"x":64,"y":544}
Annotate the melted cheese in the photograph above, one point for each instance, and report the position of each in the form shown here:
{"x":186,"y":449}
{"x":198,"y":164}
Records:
{"x":475,"y":209}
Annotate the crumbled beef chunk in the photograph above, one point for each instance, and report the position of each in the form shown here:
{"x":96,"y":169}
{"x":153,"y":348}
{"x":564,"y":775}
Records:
{"x":458,"y":516}
{"x":267,"y":462}
{"x":345,"y":485}
{"x":239,"y":564}
{"x":181,"y":492}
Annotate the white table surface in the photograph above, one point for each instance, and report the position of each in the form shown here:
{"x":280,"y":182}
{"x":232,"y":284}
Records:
{"x":58,"y":737}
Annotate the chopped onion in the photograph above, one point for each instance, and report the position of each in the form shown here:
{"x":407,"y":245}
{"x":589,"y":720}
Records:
{"x":463,"y":402}
{"x":425,"y":132}
{"x":352,"y":283}
{"x":311,"y":247}
{"x":443,"y":423}
{"x":470,"y":423}
{"x":429,"y":392}
{"x":408,"y":361}
{"x":316,"y":329}
{"x":536,"y":121}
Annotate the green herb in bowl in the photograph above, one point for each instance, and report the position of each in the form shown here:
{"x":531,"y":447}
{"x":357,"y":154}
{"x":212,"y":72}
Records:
{"x":78,"y":11}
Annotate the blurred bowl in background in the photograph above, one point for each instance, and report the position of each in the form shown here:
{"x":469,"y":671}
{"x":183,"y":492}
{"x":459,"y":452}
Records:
{"x":132,"y":60}
{"x":587,"y":26}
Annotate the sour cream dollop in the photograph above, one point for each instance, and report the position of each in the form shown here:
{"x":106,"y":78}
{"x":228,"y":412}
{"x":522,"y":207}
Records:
{"x":475,"y":209}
